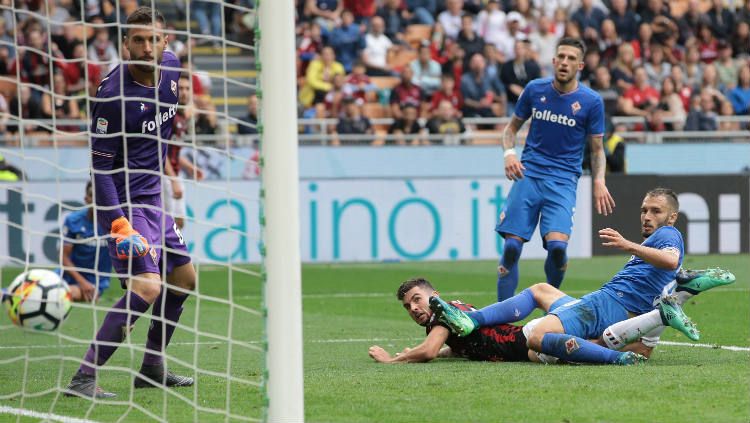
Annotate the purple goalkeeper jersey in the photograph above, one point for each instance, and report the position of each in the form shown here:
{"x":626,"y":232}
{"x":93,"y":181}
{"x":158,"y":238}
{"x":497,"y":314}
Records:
{"x":128,"y":123}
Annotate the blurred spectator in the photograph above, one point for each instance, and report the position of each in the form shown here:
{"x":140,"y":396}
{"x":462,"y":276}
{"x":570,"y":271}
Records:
{"x":640,"y":99}
{"x":740,"y":95}
{"x":517,"y":73}
{"x":608,"y":42}
{"x":656,"y":68}
{"x":507,"y":44}
{"x":58,"y":105}
{"x":743,"y":14}
{"x":67,"y":39}
{"x":331,"y":106}
{"x":57,"y":16}
{"x":396,"y":18}
{"x":468,"y":39}
{"x":710,"y":79}
{"x":363,"y":10}
{"x":529,"y":15}
{"x":326,"y":13}
{"x":426,"y":71}
{"x":623,"y":67}
{"x":446,"y":122}
{"x":591,"y":61}
{"x":447,"y":92}
{"x":682,"y":89}
{"x":205,"y":116}
{"x":309,"y":46}
{"x":550,"y":8}
{"x":642,"y":44}
{"x":603,"y":85}
{"x":653,"y":9}
{"x":352,"y":122}
{"x":6,"y":43}
{"x":359,"y":85}
{"x":483,"y":96}
{"x":726,"y":110}
{"x":455,"y":63}
{"x":248,"y":124}
{"x":34,"y":67}
{"x":377,"y":45}
{"x":405,"y":93}
{"x":692,"y":67}
{"x":625,"y":20}
{"x":689,"y":21}
{"x":663,"y":29}
{"x":4,"y":115}
{"x":450,"y":18}
{"x":740,"y":40}
{"x":721,"y":19}
{"x":494,"y":64}
{"x":491,"y":23}
{"x":670,"y":107}
{"x":708,"y":45}
{"x":543,"y":45}
{"x":102,"y":51}
{"x":726,"y":67}
{"x":347,"y":41}
{"x":79,"y":73}
{"x":319,"y":77}
{"x":408,"y":125}
{"x":589,"y":20}
{"x":8,"y":172}
{"x":26,"y":107}
{"x":702,"y":116}
{"x":423,"y":11}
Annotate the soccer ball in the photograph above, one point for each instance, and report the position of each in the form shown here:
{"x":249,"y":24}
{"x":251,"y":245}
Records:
{"x":38,"y":299}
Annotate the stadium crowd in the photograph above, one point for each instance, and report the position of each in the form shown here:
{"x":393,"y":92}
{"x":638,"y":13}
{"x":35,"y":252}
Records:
{"x":677,"y":64}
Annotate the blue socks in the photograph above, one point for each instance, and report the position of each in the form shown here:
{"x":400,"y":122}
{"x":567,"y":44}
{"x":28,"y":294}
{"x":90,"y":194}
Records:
{"x":575,"y":349}
{"x":556,"y":263}
{"x":511,"y":310}
{"x":507,"y":284}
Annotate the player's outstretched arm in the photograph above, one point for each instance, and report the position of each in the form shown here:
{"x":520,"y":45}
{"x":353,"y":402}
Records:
{"x":513,"y":167}
{"x":665,"y":258}
{"x":602,"y":198}
{"x":428,"y":350}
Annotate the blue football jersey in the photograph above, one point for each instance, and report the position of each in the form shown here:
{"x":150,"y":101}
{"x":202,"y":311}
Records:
{"x":638,"y":284}
{"x":78,"y":230}
{"x":560,"y":127}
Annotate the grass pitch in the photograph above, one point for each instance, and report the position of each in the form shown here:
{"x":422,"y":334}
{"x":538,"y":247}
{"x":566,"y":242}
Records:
{"x":347,"y":308}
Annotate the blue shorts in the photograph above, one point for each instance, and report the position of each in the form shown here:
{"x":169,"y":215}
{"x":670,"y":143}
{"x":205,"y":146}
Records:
{"x":531,"y":198}
{"x":588,"y":317}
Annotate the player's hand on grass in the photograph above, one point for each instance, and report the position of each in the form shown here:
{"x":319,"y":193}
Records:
{"x":614,"y":239}
{"x":513,"y":167}
{"x":88,"y":290}
{"x":128,"y":241}
{"x":602,"y":198}
{"x":379,"y":354}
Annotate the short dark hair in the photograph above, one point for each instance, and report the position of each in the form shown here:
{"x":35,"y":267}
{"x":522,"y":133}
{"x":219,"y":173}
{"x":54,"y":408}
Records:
{"x":573,"y":42}
{"x":88,"y":185}
{"x":145,"y":16}
{"x":411,"y":283}
{"x":667,"y":193}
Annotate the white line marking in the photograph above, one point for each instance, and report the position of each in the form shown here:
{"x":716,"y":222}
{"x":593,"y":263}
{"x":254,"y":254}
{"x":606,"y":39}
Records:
{"x":45,"y":416}
{"x":713,"y":346}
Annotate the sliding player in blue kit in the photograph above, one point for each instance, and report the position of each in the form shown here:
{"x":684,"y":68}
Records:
{"x":564,"y":116}
{"x":132,"y":115}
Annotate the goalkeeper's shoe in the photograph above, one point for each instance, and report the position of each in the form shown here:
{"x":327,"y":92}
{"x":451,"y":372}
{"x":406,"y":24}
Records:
{"x":83,"y":385}
{"x":128,"y":242}
{"x":155,"y":376}
{"x":630,"y":358}
{"x":697,"y":281}
{"x":458,"y":322}
{"x":673,"y":315}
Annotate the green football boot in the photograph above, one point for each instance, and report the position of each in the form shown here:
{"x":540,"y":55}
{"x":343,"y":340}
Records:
{"x":673,"y":315}
{"x":458,"y":322}
{"x":630,"y":358}
{"x":697,"y":281}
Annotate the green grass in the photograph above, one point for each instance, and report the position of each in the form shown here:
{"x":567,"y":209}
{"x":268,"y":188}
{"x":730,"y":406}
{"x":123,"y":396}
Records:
{"x":347,"y":308}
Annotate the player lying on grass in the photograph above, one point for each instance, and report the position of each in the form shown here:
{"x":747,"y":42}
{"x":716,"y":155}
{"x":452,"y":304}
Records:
{"x":632,"y":291}
{"x":501,"y":342}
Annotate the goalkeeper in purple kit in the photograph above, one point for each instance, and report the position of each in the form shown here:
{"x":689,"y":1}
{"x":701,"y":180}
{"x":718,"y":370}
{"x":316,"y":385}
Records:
{"x":133,"y":111}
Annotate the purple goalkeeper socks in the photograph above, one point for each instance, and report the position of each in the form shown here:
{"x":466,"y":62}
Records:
{"x":158,"y":333}
{"x":116,"y":325}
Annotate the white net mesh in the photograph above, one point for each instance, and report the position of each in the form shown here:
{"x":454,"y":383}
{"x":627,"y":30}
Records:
{"x":53,"y":56}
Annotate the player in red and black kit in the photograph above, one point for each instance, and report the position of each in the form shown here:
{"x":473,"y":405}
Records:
{"x":503,"y":342}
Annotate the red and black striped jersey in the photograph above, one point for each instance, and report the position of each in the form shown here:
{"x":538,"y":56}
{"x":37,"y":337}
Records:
{"x":502,"y":342}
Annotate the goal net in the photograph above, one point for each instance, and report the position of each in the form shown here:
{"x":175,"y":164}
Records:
{"x":230,"y":158}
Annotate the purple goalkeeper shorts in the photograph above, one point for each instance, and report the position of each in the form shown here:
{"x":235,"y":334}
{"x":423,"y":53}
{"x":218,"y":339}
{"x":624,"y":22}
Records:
{"x":162,"y":235}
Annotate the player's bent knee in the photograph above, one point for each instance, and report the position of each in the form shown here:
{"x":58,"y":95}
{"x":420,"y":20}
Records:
{"x":147,"y":286}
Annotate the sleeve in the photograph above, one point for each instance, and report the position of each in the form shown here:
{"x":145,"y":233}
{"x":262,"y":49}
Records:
{"x":668,"y":238}
{"x":67,"y":230}
{"x":106,"y":143}
{"x":595,"y":122}
{"x":523,"y":105}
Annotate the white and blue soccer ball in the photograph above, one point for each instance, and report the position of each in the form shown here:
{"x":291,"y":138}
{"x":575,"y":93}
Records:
{"x":38,"y":299}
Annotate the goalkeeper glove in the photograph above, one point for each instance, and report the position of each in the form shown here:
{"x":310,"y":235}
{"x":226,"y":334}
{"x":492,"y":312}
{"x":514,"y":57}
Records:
{"x":128,"y":239}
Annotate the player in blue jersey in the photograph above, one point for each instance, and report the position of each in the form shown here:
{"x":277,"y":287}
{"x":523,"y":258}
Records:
{"x":85,"y":258}
{"x":564,"y":116}
{"x":634,"y":291}
{"x":131,"y":120}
